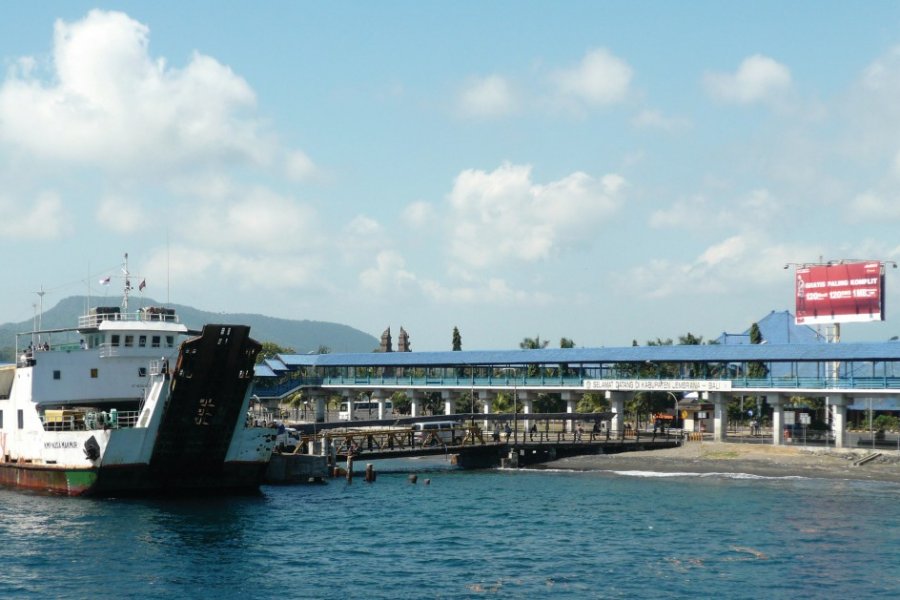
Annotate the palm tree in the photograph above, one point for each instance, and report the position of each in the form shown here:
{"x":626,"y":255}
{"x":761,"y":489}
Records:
{"x":295,"y":401}
{"x":535,"y":343}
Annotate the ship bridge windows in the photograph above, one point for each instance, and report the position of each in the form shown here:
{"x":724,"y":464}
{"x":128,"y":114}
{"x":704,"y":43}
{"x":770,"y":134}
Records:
{"x":155,"y":341}
{"x":129,"y":341}
{"x":57,"y":374}
{"x":142,"y":341}
{"x":95,"y":373}
{"x":170,"y":341}
{"x":114,"y":339}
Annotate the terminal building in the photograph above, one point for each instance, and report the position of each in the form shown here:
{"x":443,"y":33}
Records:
{"x":791,"y":362}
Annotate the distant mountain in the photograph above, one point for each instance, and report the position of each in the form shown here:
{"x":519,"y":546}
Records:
{"x":303,"y":336}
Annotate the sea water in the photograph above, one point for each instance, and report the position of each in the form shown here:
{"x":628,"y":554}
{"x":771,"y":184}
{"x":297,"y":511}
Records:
{"x":496,"y":533}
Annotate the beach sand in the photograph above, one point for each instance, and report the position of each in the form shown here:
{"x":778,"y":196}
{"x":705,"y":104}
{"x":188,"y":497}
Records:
{"x":751,"y":459}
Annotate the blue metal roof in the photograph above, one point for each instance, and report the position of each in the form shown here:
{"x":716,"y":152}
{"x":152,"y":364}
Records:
{"x":713,"y":353}
{"x":778,"y":327}
{"x":263,"y":370}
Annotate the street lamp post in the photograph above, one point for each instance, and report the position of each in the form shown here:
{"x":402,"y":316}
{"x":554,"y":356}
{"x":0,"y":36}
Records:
{"x":515,"y":404}
{"x":472,"y":398}
{"x":675,"y":413}
{"x":515,"y":412}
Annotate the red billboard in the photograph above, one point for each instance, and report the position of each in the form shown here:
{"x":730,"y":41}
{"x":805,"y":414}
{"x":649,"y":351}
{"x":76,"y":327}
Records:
{"x":840,"y":293}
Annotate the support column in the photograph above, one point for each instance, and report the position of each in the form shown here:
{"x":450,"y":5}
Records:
{"x":720,"y":416}
{"x":414,"y":398}
{"x":319,"y":400}
{"x":777,"y":402}
{"x":378,"y":396}
{"x":571,"y":404}
{"x":447,"y":397}
{"x":486,"y":405}
{"x":527,"y":403}
{"x":839,"y":419}
{"x":617,"y":406}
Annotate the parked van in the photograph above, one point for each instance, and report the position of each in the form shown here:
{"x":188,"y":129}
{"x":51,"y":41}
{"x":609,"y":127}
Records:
{"x":439,"y":432}
{"x":364,"y":410}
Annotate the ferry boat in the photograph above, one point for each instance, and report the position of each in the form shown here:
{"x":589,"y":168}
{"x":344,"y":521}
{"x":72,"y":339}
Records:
{"x":132,"y":403}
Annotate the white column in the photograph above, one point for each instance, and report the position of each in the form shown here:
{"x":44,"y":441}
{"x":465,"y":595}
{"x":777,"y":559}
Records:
{"x":617,"y":406}
{"x":486,"y":405}
{"x":414,"y":397}
{"x":720,"y":416}
{"x":839,"y":419}
{"x":527,"y":408}
{"x":571,"y":403}
{"x":379,"y":397}
{"x":319,"y":398}
{"x":447,"y":396}
{"x":777,"y":402}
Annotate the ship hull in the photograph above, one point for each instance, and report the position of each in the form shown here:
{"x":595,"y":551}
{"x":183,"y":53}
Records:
{"x":192,"y":435}
{"x":47,"y":479}
{"x":127,"y":480}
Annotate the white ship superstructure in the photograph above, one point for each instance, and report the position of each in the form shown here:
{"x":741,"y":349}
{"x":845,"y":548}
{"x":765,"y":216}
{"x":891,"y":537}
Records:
{"x":131,"y":402}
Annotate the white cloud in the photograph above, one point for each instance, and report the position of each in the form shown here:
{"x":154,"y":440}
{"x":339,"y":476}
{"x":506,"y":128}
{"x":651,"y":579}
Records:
{"x":197,"y":267}
{"x":490,"y":96}
{"x":256,"y":220}
{"x":873,"y":113}
{"x":758,"y":79}
{"x":363,"y":226}
{"x":493,"y":291}
{"x":388,"y":275}
{"x":122,"y":215}
{"x":600,"y":79}
{"x":870,"y":206}
{"x":728,"y":266}
{"x":654,"y":119}
{"x":108,"y":103}
{"x":40,"y":219}
{"x":752,"y":210}
{"x":299,"y":167}
{"x":417,"y":214}
{"x":502,"y":215}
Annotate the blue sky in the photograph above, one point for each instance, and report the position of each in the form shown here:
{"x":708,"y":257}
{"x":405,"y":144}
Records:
{"x":602,"y":171}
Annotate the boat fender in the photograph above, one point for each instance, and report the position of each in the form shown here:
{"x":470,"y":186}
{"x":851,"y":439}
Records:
{"x":91,"y":449}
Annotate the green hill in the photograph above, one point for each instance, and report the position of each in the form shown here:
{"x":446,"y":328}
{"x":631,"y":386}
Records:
{"x":303,"y":336}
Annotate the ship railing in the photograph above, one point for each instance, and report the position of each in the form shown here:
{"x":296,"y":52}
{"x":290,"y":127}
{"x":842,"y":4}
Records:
{"x":63,"y":420}
{"x":160,"y":366}
{"x":94,"y":320}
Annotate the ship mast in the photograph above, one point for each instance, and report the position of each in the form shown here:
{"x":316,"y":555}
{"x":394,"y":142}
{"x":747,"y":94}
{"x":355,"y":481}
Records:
{"x":127,"y":286}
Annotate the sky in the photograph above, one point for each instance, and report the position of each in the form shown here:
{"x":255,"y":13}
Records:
{"x":600,"y":171}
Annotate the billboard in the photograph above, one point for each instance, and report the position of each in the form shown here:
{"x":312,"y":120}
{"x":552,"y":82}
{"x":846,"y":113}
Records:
{"x":840,"y":293}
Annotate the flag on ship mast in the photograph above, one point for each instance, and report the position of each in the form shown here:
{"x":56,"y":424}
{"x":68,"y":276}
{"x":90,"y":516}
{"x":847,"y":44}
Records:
{"x":104,"y":281}
{"x":142,"y":285}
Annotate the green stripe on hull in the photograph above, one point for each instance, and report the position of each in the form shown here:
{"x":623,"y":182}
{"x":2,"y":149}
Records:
{"x":54,"y":480}
{"x":80,"y":481}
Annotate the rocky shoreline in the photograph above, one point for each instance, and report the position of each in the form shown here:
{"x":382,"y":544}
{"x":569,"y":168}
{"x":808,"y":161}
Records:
{"x":750,"y":459}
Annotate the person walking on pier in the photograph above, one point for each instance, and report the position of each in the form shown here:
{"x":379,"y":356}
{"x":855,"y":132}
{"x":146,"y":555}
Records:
{"x":532,"y":431}
{"x":507,"y":431}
